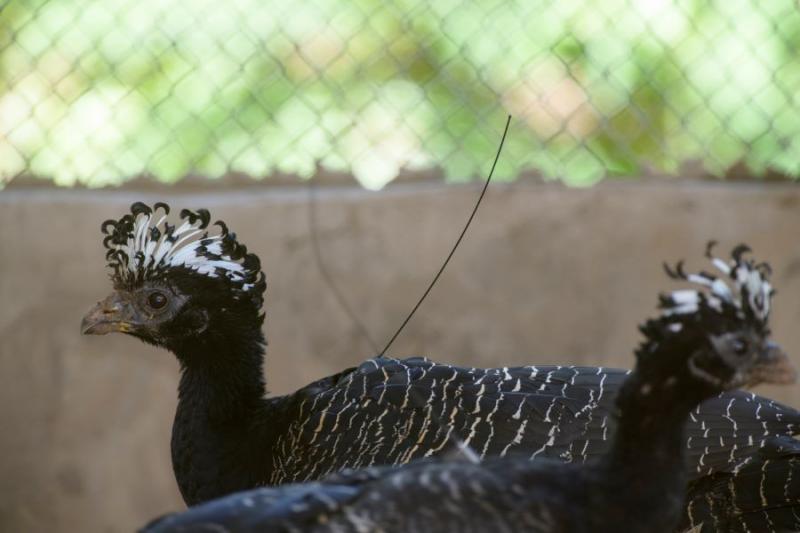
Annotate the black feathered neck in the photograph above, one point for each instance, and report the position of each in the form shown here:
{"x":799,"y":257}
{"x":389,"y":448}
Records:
{"x":662,"y":385}
{"x":223,"y":374}
{"x":663,"y":358}
{"x":224,"y":427}
{"x":647,"y":458}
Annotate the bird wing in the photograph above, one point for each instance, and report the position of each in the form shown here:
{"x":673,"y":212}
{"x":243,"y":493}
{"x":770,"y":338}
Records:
{"x":390,"y":411}
{"x":763,"y":494}
{"x":724,"y":432}
{"x":552,"y":411}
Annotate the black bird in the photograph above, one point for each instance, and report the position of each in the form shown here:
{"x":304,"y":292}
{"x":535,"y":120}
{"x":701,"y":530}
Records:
{"x":200,"y":295}
{"x":703,"y":343}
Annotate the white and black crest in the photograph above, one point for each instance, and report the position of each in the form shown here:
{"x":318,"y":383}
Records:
{"x":742,"y":289}
{"x":143,"y":245}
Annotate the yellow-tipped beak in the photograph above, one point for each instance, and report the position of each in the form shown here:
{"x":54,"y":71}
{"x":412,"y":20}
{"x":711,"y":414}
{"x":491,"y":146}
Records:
{"x":107,"y":316}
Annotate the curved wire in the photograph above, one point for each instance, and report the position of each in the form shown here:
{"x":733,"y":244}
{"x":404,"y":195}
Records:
{"x":329,"y":281}
{"x":453,"y":250}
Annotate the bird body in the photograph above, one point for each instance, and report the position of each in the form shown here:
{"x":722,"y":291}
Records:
{"x":690,"y":353}
{"x":504,"y":495}
{"x":389,"y":411}
{"x":433,"y":495}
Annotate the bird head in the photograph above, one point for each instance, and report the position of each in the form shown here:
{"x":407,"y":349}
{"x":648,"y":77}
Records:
{"x":175,"y":284}
{"x":716,"y":336}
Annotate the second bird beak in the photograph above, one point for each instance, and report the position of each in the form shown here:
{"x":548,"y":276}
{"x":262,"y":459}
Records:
{"x":774,"y":367}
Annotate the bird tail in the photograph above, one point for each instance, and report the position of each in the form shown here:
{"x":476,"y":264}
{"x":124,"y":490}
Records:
{"x":761,"y":494}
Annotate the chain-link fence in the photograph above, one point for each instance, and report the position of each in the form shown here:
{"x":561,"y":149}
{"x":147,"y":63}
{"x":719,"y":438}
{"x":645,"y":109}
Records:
{"x":99,"y":91}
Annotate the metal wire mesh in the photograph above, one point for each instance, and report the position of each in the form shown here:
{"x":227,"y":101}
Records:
{"x":99,"y":91}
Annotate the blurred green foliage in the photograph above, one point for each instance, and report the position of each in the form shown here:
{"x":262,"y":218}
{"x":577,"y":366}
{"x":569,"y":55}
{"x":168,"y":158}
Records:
{"x":98,"y":91}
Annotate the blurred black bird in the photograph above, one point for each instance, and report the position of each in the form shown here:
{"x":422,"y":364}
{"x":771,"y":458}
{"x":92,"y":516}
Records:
{"x":703,"y":343}
{"x":199,"y":294}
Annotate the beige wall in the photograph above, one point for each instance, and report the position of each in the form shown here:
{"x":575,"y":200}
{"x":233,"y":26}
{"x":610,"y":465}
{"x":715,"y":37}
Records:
{"x":545,"y":275}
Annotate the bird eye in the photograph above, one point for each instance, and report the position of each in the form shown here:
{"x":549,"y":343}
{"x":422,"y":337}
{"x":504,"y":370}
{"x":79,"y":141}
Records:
{"x":739,"y":346}
{"x":157,"y":300}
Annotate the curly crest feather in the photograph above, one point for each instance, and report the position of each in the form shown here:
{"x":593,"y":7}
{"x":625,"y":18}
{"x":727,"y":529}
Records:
{"x":143,"y":245}
{"x":746,"y":293}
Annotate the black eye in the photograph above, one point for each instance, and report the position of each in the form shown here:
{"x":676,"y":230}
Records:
{"x":157,"y":300}
{"x":739,"y":346}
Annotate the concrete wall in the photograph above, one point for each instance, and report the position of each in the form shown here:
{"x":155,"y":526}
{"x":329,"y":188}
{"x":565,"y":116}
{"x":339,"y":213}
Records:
{"x":545,"y":275}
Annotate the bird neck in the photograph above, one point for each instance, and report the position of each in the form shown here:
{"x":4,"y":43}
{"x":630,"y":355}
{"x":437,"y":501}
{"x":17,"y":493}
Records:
{"x":650,"y":427}
{"x":224,"y":428}
{"x":222,"y":379}
{"x":647,"y":457}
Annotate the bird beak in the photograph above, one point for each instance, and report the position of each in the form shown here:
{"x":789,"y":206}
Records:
{"x":112,"y":314}
{"x":774,"y":366}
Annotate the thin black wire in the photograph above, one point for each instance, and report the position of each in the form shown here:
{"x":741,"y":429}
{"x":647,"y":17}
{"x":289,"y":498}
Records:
{"x":453,"y":250}
{"x":462,"y":450}
{"x":326,"y":276}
